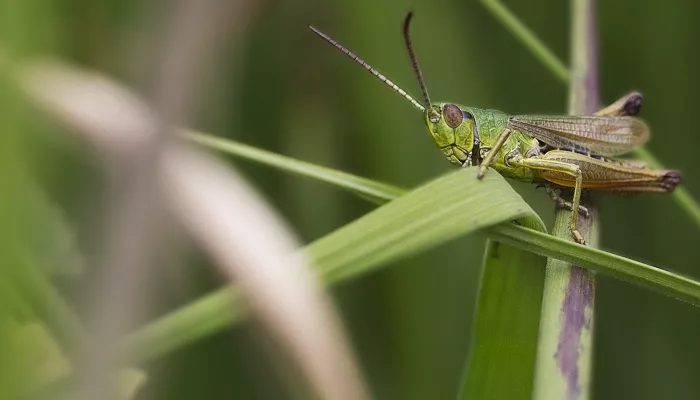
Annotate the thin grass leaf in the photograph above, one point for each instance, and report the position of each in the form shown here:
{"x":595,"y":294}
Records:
{"x":528,"y":39}
{"x":376,"y":190}
{"x":622,"y":268}
{"x":681,"y":195}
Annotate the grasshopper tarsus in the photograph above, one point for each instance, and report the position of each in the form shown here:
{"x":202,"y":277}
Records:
{"x":560,"y":202}
{"x":578,"y":238}
{"x":583,"y":210}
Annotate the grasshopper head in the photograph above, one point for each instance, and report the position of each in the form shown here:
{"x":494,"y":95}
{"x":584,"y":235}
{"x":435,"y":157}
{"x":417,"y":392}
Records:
{"x":453,"y":128}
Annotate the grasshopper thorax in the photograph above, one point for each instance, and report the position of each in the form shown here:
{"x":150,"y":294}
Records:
{"x":454,"y":130}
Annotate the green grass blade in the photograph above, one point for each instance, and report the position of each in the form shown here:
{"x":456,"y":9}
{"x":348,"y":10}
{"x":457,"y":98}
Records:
{"x":216,"y":311}
{"x":446,"y":208}
{"x":197,"y":320}
{"x":409,"y":224}
{"x":502,"y":360}
{"x":622,"y":268}
{"x":565,"y":343}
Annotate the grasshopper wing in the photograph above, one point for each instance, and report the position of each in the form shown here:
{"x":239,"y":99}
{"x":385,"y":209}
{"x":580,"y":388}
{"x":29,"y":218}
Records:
{"x":602,"y":135}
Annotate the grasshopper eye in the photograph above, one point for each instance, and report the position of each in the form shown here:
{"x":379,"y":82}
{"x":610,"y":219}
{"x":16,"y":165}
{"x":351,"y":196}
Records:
{"x":453,"y":115}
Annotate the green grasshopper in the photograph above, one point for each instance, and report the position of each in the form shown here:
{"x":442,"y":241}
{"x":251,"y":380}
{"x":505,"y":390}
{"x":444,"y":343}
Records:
{"x":564,"y":151}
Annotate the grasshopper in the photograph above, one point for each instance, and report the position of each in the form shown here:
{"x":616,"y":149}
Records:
{"x":554,"y":151}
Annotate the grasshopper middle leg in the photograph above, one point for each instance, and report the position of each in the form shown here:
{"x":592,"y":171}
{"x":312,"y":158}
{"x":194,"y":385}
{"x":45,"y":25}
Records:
{"x":563,"y":168}
{"x":556,"y":198}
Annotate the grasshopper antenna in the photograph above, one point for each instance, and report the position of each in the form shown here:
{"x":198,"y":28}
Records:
{"x":416,"y":66}
{"x":370,"y":69}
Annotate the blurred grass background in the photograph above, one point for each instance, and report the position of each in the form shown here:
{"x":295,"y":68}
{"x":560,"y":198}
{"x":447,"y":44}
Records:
{"x":281,"y":88}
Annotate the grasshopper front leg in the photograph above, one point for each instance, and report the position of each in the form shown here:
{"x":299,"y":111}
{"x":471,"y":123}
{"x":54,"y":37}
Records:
{"x":558,"y":200}
{"x":502,"y":137}
{"x":554,"y":167}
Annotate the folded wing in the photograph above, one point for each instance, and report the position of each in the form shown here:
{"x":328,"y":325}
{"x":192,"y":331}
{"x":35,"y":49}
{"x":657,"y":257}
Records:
{"x":602,"y":135}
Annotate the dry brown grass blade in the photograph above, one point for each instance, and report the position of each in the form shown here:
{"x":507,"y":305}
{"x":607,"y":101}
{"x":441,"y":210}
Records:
{"x":225,"y":216}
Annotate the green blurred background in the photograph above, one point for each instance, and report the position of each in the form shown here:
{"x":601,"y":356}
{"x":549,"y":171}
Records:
{"x":279,"y":87}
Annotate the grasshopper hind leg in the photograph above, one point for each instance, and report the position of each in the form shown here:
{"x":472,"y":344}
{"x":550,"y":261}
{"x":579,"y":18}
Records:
{"x":628,"y":105}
